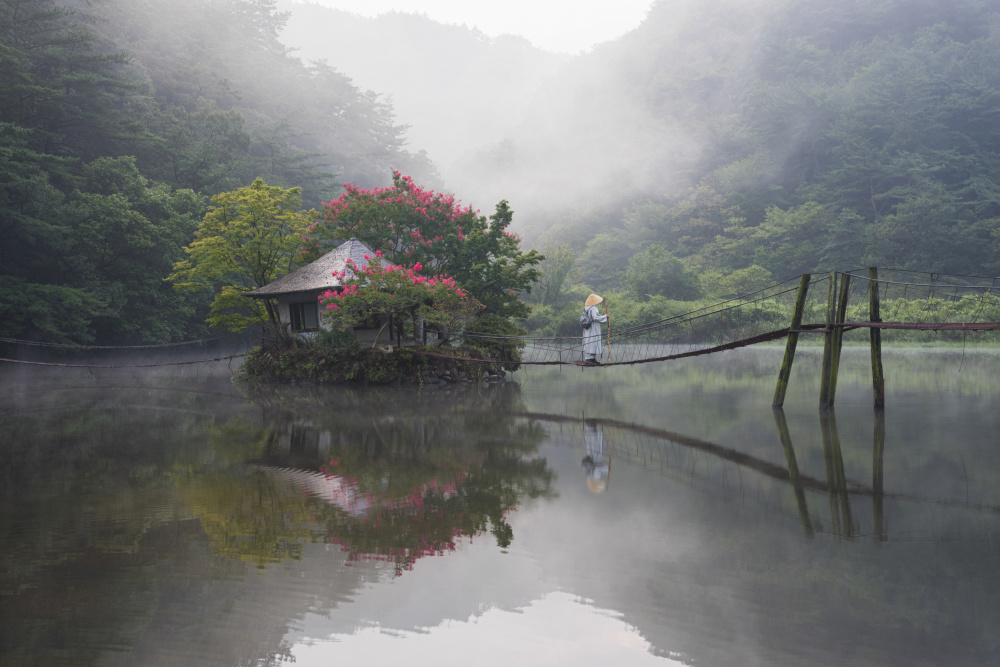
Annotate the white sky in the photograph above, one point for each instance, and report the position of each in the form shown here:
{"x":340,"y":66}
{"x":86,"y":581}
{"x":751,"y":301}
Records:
{"x":567,"y":26}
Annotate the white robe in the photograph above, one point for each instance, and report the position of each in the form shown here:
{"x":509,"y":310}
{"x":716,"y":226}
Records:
{"x":592,"y":346}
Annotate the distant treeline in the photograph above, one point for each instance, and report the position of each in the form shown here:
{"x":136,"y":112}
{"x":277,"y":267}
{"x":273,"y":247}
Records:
{"x":118,"y":119}
{"x":829,"y":135}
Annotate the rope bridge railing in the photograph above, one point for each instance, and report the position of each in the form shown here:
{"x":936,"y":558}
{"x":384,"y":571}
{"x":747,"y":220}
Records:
{"x":749,"y":319}
{"x":901,"y":304}
{"x":913,"y":304}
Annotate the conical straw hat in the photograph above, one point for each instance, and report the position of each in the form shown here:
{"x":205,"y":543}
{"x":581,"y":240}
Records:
{"x":593,"y":300}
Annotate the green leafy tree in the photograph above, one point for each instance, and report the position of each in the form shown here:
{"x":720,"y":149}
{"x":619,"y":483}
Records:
{"x":729,"y":284}
{"x":556,"y":268}
{"x":247,"y":239}
{"x":408,"y":224}
{"x":126,"y":234}
{"x":656,"y":271}
{"x":58,"y":81}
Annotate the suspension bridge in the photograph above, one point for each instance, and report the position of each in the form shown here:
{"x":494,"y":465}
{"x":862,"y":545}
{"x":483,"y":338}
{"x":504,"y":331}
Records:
{"x":819,"y":305}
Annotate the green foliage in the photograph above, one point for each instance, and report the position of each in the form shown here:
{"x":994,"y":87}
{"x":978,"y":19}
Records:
{"x":656,"y":271}
{"x":58,"y":82}
{"x":126,"y":233}
{"x":726,"y":285}
{"x":602,"y":264}
{"x":554,"y":271}
{"x":318,"y":361}
{"x":47,"y":313}
{"x":116,"y":118}
{"x":507,"y":351}
{"x":829,"y":136}
{"x":247,"y":239}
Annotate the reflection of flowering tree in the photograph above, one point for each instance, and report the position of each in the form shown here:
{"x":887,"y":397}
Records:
{"x":391,"y":486}
{"x":415,"y":486}
{"x":429,"y":519}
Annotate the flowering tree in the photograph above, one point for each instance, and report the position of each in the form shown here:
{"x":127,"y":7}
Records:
{"x":409,"y":224}
{"x":395,"y":290}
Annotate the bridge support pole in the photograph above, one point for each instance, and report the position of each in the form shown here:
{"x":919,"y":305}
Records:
{"x":831,"y":318}
{"x":838,"y":333}
{"x":791,"y":343}
{"x":878,"y":380}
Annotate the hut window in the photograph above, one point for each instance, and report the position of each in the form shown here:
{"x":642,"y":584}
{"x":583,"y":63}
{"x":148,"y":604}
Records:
{"x":305,"y":316}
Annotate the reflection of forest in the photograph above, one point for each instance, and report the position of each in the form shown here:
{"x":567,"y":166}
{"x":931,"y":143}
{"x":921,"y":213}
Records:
{"x":387,"y":485}
{"x":130,"y":514}
{"x":133,"y":518}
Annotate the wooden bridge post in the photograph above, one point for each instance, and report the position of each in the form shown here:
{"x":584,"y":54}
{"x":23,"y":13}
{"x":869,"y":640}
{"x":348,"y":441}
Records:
{"x":793,"y":471}
{"x":838,"y":333}
{"x":875,"y":335}
{"x":831,"y":316}
{"x":791,"y":343}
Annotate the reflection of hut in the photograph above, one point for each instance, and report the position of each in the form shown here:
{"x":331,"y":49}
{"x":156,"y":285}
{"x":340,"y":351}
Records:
{"x":298,"y":293}
{"x":333,"y":489}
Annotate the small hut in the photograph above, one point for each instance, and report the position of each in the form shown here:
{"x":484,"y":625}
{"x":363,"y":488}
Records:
{"x":298,"y":292}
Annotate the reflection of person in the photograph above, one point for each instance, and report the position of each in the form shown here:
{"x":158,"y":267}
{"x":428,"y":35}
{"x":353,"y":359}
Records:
{"x":596,"y":466}
{"x":592,"y":347}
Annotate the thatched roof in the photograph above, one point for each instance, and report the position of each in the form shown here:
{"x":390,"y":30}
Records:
{"x":319,"y":274}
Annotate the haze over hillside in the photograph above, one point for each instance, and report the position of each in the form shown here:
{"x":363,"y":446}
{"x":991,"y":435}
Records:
{"x":455,"y":87}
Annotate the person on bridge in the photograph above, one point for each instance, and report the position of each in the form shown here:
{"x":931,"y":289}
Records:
{"x":592,"y":347}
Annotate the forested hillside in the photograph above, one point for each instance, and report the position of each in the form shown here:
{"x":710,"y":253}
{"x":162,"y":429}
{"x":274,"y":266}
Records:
{"x":754,"y":140}
{"x":118,"y":118}
{"x":720,"y":146}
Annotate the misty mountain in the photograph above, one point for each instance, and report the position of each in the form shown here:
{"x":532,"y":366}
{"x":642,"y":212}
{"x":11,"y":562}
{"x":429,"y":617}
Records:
{"x":454,"y":87}
{"x":775,"y":137}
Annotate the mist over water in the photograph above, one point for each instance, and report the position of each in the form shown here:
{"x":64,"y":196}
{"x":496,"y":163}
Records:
{"x":650,"y":515}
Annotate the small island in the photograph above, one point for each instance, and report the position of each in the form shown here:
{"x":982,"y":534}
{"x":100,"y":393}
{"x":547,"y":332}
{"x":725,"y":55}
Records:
{"x":403,"y":299}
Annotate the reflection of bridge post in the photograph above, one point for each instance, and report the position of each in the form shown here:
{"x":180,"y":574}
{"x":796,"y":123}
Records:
{"x":793,"y":471}
{"x":840,"y":502}
{"x":878,"y":496}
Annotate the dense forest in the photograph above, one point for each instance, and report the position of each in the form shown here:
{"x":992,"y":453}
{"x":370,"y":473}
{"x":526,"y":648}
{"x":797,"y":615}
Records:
{"x":718,"y":147}
{"x":118,"y":119}
{"x":758,"y":140}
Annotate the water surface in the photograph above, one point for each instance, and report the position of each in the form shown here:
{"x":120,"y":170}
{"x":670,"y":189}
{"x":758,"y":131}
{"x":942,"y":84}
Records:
{"x":659,"y":514}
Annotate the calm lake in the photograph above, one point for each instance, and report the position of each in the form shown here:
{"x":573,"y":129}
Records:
{"x":658,"y":514}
